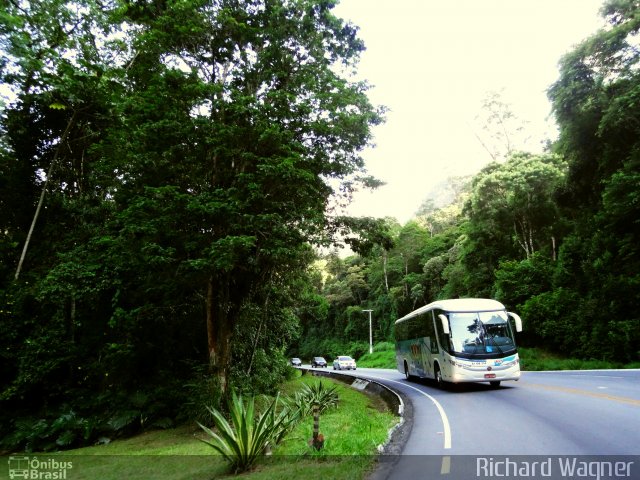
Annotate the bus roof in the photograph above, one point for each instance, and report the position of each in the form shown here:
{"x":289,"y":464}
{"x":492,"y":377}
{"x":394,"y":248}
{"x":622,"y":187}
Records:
{"x":458,"y":305}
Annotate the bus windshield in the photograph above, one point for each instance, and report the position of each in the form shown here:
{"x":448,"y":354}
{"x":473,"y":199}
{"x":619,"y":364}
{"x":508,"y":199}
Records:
{"x":481,"y":333}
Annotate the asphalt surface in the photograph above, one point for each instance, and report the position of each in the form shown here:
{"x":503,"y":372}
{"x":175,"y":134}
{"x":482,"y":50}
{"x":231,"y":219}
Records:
{"x":569,"y":413}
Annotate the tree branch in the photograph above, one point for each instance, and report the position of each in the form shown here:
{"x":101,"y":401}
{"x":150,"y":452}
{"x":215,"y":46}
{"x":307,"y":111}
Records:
{"x":44,"y":190}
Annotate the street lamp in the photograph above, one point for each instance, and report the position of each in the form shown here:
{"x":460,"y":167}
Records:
{"x":370,"y":332}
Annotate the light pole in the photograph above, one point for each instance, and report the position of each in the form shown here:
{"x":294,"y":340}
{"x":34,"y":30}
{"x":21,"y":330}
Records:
{"x":370,"y":332}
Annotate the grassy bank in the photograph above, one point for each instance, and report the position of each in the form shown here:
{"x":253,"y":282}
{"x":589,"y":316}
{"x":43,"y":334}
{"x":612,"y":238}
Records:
{"x":537,"y":359}
{"x":383,"y":356}
{"x":532,"y":359}
{"x":352,"y":432}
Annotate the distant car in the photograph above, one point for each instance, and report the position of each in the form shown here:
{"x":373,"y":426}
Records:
{"x":344,"y":362}
{"x":296,"y":362}
{"x":318,"y":362}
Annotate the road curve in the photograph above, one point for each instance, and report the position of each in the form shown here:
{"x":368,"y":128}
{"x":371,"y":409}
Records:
{"x":572,"y":413}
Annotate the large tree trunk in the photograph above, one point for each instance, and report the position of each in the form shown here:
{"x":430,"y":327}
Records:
{"x":219,"y":332}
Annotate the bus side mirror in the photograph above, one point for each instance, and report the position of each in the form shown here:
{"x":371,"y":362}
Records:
{"x":445,"y":324}
{"x":518,"y":321}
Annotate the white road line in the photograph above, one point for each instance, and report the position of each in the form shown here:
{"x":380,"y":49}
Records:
{"x":445,"y":468}
{"x":443,"y":415}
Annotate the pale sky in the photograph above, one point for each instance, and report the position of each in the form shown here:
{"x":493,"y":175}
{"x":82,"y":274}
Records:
{"x":433,"y":62}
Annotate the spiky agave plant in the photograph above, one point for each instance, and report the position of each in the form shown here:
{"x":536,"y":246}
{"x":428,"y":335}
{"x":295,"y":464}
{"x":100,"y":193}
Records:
{"x":248,"y":436}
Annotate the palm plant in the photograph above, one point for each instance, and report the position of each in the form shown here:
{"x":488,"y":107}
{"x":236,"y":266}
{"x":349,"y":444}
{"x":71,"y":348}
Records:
{"x":319,"y":398}
{"x":248,"y":436}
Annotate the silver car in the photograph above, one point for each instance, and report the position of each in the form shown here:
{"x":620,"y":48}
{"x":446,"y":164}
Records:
{"x":344,"y":362}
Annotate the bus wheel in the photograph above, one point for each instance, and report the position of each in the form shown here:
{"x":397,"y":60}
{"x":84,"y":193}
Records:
{"x":495,"y":383}
{"x":438,"y":374}
{"x":406,"y":371}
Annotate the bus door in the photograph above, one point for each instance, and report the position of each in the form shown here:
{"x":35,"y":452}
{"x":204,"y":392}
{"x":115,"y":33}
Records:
{"x":429,"y":346}
{"x":425,"y":356}
{"x":431,"y":352}
{"x":444,"y":342}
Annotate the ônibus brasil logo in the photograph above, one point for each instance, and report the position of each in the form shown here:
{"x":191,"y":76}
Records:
{"x":38,"y":468}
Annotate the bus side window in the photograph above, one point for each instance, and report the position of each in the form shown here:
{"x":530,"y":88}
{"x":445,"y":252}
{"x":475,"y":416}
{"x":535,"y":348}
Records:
{"x":401,"y":331}
{"x":432,"y":333}
{"x":415,"y":327}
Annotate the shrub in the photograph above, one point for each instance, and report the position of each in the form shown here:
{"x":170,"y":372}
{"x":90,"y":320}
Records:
{"x":316,"y":395}
{"x":203,"y":392}
{"x":247,"y":437}
{"x":66,"y":430}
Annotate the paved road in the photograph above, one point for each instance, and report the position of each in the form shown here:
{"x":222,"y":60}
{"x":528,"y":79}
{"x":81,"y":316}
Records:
{"x":571,"y":413}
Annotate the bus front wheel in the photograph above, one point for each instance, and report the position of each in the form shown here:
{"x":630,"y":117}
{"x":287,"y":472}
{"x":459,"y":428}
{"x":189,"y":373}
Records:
{"x":438,"y":376}
{"x":406,"y":371}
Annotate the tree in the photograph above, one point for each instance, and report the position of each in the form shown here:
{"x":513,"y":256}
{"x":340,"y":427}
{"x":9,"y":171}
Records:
{"x":224,"y":128}
{"x":595,"y":104}
{"x":504,"y":134}
{"x":518,"y":196}
{"x":54,"y":68}
{"x":205,"y":140}
{"x":276,"y":115}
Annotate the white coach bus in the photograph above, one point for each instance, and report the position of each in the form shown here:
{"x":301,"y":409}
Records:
{"x":461,"y":340}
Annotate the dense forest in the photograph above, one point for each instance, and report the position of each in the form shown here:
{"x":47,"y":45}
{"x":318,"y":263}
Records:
{"x":170,"y":171}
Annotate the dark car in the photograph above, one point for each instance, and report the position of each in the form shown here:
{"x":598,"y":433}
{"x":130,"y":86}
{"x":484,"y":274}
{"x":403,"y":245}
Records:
{"x":318,"y":362}
{"x":296,"y":362}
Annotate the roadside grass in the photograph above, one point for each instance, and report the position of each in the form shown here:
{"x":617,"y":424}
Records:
{"x":352,"y":432}
{"x":532,"y":359}
{"x":175,"y":454}
{"x":383,"y":356}
{"x":356,"y":427}
{"x":537,"y":359}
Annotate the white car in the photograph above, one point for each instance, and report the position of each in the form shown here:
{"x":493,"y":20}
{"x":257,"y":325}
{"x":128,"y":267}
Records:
{"x":344,"y":363}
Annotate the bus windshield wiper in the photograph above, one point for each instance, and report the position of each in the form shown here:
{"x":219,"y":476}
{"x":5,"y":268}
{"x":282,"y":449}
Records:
{"x":492,"y":338}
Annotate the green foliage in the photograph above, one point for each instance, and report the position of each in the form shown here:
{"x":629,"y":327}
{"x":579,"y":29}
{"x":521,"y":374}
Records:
{"x":171,"y":237}
{"x":537,"y":359}
{"x":330,"y":348}
{"x":168,"y":198}
{"x":554,"y":236}
{"x":355,"y":430}
{"x":248,"y":436}
{"x":550,"y":321}
{"x":66,"y":430}
{"x":573,"y":278}
{"x":515,"y":197}
{"x":518,"y":281}
{"x":317,"y":396}
{"x":203,"y":393}
{"x":383,"y":356}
